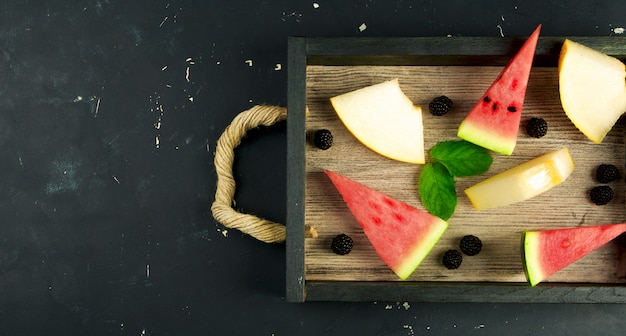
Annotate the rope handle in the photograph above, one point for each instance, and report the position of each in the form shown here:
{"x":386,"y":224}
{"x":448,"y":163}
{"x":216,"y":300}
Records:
{"x":222,"y":208}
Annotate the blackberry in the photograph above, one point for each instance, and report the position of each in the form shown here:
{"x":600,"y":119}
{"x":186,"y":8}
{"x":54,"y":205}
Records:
{"x":342,"y":244}
{"x":606,"y":173}
{"x":452,"y":259}
{"x":323,"y":139}
{"x":601,"y":195}
{"x":470,"y":245}
{"x":536,"y":127}
{"x":440,"y":105}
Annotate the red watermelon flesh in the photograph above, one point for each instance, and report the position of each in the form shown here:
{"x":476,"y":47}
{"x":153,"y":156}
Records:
{"x":548,"y":251}
{"x":401,"y":234}
{"x":494,"y":121}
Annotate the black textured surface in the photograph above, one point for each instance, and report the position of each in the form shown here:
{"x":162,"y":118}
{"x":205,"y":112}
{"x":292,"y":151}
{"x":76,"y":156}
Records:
{"x":106,"y":231}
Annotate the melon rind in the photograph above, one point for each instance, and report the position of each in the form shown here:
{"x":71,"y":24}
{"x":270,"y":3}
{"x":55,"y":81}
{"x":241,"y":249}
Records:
{"x":416,"y":256}
{"x":419,"y":230}
{"x":591,"y":89}
{"x":532,"y":266}
{"x":477,"y":135}
{"x":546,"y":252}
{"x":383,"y":119}
{"x":499,"y":134}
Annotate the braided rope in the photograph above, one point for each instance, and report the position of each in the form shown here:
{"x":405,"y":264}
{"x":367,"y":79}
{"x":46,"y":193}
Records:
{"x":261,"y":229}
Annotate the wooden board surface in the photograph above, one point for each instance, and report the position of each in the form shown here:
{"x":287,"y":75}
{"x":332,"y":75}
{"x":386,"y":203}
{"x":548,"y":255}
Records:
{"x":567,"y":205}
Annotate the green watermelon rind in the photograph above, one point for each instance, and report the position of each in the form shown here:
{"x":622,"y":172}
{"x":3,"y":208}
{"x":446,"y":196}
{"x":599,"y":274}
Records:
{"x":502,"y":139}
{"x":584,"y":240}
{"x":474,"y":133}
{"x":532,"y":268}
{"x":415,"y":257}
{"x":431,"y":228}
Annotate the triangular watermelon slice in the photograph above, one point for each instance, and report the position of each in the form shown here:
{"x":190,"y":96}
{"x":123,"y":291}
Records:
{"x":401,"y":234}
{"x":494,"y":121}
{"x":548,"y":251}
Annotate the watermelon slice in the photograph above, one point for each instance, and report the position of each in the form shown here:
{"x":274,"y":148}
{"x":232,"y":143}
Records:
{"x":548,"y":251}
{"x":401,"y":234}
{"x":494,"y":121}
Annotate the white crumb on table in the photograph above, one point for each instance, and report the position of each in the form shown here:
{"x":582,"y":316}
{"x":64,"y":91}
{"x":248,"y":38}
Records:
{"x":223,"y":232}
{"x":249,"y":62}
{"x":316,"y":5}
{"x":618,"y":30}
{"x":362,"y":27}
{"x":97,"y":108}
{"x":163,"y":22}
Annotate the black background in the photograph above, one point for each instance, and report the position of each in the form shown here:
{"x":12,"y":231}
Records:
{"x":103,"y":233}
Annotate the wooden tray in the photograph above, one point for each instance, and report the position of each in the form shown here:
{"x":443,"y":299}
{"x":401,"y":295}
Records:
{"x":461,"y":68}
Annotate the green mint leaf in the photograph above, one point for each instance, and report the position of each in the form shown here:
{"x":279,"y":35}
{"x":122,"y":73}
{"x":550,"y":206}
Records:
{"x":437,"y":190}
{"x":462,"y":158}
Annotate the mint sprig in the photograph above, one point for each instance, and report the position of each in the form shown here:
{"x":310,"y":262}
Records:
{"x":437,"y":190}
{"x":456,"y":158}
{"x":462,"y":158}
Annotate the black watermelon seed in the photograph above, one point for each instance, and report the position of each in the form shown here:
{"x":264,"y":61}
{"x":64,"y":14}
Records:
{"x":494,"y":106}
{"x":486,"y":99}
{"x":512,"y":109}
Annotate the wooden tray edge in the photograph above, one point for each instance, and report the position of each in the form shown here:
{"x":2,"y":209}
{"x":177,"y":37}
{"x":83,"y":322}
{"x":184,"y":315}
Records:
{"x":303,"y":51}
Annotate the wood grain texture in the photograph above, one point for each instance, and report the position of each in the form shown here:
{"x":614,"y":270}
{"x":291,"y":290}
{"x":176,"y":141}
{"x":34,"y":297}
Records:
{"x":501,"y":229}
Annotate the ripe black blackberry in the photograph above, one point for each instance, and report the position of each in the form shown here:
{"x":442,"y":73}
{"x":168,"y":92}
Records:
{"x":440,"y":105}
{"x":536,"y":127}
{"x":452,"y":259}
{"x":606,"y":173}
{"x":342,"y":244}
{"x":323,"y":139}
{"x":471,"y":245}
{"x":601,"y":195}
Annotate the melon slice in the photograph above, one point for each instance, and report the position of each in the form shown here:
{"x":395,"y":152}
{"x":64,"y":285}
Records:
{"x":401,"y":234}
{"x":494,"y":121}
{"x":523,"y":181}
{"x":546,"y":252}
{"x":383,"y":119}
{"x":592,"y":87}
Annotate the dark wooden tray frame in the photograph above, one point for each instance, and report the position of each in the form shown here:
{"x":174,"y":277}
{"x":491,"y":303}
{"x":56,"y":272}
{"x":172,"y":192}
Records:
{"x":412,"y":51}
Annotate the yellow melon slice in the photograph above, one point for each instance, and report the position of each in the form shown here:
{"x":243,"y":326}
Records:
{"x":384,"y":119}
